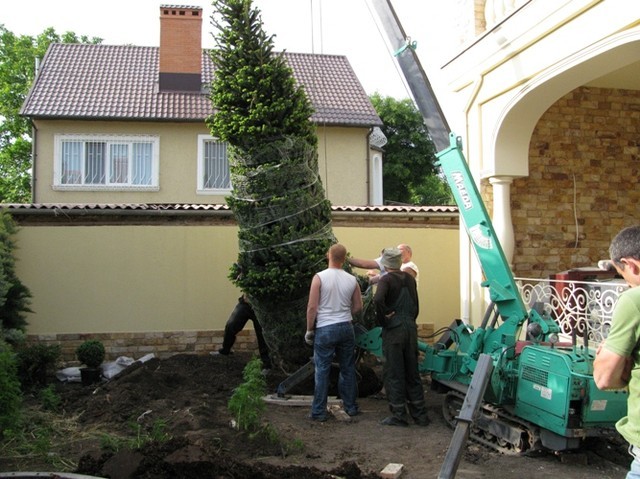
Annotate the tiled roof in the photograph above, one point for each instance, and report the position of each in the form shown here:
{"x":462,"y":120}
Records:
{"x":109,"y":82}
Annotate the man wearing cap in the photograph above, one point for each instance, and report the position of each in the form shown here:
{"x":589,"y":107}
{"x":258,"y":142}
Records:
{"x":397,"y":308}
{"x":372,"y":265}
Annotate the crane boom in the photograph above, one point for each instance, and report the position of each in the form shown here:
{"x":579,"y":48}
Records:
{"x":417,"y":80}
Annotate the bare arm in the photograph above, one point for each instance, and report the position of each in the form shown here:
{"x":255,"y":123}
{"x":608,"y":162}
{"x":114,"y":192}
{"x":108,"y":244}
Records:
{"x":356,"y":300}
{"x":374,"y":277}
{"x":364,"y":263}
{"x":312,"y":304}
{"x":411,"y":271}
{"x":610,"y":370}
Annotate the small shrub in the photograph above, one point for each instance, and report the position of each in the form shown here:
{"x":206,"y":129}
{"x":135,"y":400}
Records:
{"x":10,"y":393}
{"x":246,"y":403}
{"x":91,"y":353}
{"x":34,"y":361}
{"x":143,"y":435}
{"x":49,"y":399}
{"x":15,"y":337}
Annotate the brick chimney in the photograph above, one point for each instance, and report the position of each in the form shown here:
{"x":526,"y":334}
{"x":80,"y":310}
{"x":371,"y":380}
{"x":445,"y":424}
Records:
{"x":180,"y":48}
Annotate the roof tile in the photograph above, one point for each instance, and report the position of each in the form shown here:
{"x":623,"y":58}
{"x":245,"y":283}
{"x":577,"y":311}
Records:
{"x":120,"y":82}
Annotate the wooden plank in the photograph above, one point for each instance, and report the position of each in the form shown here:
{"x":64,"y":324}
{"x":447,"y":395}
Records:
{"x":297,"y":400}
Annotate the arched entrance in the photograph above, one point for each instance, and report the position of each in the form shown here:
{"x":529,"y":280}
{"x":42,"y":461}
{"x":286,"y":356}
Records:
{"x":574,"y":96}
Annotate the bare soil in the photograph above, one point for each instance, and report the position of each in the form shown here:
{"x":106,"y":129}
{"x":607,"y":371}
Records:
{"x":189,"y":394}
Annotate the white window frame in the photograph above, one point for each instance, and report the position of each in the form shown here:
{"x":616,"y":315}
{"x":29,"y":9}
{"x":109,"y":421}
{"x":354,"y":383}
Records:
{"x":109,"y":140}
{"x":201,"y":190}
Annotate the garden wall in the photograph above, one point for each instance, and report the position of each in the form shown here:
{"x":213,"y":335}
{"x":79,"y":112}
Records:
{"x":154,"y":280}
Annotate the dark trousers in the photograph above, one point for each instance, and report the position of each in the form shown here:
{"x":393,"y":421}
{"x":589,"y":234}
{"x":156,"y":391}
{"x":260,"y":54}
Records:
{"x":402,"y":381}
{"x":241,"y":314}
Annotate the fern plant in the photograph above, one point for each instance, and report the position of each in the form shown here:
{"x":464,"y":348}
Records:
{"x":247,"y":403}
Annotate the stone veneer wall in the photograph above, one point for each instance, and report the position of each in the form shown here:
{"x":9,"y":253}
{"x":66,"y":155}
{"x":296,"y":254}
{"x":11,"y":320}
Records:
{"x":582,"y":187}
{"x":166,"y":344}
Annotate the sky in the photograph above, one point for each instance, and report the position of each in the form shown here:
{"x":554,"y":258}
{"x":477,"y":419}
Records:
{"x":342,"y":27}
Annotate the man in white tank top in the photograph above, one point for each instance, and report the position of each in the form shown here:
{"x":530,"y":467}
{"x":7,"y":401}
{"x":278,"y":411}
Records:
{"x":334,"y":297}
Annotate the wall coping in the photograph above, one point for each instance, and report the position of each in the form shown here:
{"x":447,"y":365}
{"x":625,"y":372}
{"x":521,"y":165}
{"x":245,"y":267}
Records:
{"x":87,"y":214}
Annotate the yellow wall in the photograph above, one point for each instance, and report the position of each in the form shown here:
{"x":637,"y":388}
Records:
{"x":121,"y":278}
{"x":434,"y":251}
{"x":343,"y":157}
{"x":343,"y":164}
{"x":136,"y":278}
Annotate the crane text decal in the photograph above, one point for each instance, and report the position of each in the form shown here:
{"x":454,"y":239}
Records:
{"x":480,"y":237}
{"x":458,"y":180}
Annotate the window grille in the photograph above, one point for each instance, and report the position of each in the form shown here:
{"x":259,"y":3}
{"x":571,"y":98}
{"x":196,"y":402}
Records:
{"x":106,"y":161}
{"x":141,"y":172}
{"x":72,"y":162}
{"x":119,"y":159}
{"x":214,"y":176}
{"x":216,"y":166}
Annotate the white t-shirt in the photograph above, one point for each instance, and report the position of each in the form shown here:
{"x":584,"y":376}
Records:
{"x":380,"y":267}
{"x":410,"y":265}
{"x":336,"y":290}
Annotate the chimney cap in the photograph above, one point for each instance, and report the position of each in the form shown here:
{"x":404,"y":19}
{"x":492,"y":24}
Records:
{"x":189,"y":7}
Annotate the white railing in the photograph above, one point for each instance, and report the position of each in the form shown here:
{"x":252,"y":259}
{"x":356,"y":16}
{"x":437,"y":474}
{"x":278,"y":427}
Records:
{"x":581,"y":306}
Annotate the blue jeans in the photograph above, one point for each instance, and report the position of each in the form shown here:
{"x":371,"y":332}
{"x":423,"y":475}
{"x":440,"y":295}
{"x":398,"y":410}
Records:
{"x":634,"y":471}
{"x":338,"y":339}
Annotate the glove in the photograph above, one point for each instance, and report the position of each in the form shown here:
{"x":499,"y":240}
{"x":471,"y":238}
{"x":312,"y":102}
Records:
{"x":308,"y":337}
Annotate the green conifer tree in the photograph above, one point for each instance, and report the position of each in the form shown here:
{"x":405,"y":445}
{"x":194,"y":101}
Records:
{"x":15,"y":297}
{"x":277,"y":198}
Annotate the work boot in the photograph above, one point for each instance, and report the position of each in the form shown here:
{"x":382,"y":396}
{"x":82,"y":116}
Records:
{"x":422,"y":421}
{"x":394,"y":421}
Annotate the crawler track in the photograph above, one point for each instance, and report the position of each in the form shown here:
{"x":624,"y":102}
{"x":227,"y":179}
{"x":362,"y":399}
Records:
{"x":494,"y":427}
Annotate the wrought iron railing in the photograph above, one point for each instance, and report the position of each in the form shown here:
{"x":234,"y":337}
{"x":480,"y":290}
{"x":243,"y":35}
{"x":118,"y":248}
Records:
{"x":583,"y":308}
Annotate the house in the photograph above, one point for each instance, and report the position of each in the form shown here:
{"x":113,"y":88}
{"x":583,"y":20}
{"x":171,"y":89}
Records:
{"x":546,"y":97}
{"x":126,"y":124}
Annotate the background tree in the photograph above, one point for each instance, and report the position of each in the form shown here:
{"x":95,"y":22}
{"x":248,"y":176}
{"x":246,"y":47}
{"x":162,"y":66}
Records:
{"x":18,"y":56}
{"x":409,"y":172}
{"x":278,"y":199}
{"x":15,"y":297}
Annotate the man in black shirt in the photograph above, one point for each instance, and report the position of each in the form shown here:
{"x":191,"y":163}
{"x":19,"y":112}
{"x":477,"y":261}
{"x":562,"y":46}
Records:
{"x":241,"y":314}
{"x":397,"y":308}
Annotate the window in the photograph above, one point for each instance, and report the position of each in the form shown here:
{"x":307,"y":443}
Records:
{"x":213,"y":166}
{"x":93,"y":162}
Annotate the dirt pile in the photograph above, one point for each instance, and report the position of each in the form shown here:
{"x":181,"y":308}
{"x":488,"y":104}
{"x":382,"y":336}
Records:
{"x":183,"y":400}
